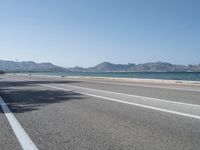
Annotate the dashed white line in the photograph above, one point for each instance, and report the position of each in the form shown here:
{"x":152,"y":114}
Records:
{"x":23,"y":138}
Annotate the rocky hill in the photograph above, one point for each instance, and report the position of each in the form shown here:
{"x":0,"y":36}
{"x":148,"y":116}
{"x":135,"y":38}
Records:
{"x":146,"y":67}
{"x":29,"y":66}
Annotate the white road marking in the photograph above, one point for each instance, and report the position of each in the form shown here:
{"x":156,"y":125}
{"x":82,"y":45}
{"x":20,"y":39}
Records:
{"x":135,"y":104}
{"x":130,"y":103}
{"x":128,"y":84}
{"x":148,"y":86}
{"x":131,"y":95}
{"x":23,"y":138}
{"x":137,"y":96}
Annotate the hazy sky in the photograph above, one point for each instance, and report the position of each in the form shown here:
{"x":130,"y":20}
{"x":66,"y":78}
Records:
{"x":87,"y":32}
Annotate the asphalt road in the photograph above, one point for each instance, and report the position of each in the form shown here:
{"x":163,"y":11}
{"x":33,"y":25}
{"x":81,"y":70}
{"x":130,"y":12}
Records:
{"x":82,"y":114}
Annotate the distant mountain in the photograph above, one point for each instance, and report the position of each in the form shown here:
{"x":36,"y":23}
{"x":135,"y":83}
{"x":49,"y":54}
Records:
{"x":29,"y":66}
{"x":146,"y":67}
{"x":106,"y":66}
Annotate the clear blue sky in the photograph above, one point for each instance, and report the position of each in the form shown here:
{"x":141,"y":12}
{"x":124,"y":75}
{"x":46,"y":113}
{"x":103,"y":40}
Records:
{"x":87,"y":32}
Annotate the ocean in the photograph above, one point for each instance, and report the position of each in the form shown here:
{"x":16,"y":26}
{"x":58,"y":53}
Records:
{"x":189,"y":76}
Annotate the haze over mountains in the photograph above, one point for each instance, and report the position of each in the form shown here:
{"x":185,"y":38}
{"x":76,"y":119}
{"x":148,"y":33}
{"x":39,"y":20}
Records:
{"x":29,"y":66}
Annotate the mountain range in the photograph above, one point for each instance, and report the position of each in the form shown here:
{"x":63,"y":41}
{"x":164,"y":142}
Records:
{"x":30,"y":66}
{"x":145,"y":67}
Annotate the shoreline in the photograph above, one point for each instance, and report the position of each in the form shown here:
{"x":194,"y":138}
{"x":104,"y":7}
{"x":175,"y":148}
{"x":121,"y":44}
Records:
{"x":138,"y":80}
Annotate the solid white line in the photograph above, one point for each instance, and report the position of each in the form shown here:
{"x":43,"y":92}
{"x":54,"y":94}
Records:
{"x":131,"y":95}
{"x":128,"y":84}
{"x":23,"y":138}
{"x":137,"y":96}
{"x":148,"y":86}
{"x":130,"y":103}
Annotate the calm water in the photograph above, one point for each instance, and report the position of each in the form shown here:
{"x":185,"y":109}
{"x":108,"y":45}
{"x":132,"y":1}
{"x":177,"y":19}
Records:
{"x":146,"y":75}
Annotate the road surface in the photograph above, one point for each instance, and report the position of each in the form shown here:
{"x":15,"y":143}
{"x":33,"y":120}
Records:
{"x":87,"y":114}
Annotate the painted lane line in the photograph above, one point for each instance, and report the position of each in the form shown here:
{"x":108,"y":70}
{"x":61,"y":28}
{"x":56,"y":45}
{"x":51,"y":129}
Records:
{"x":135,"y":96}
{"x":131,"y":95}
{"x":130,"y":103}
{"x":124,"y":94}
{"x":128,"y":84}
{"x":23,"y":138}
{"x":146,"y":86}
